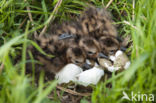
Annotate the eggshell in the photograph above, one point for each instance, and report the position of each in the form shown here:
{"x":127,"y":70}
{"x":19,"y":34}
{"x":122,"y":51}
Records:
{"x":118,"y":53}
{"x":112,"y":58}
{"x":111,"y":68}
{"x":127,"y":65}
{"x":121,"y":60}
{"x":103,"y":62}
{"x":68,"y":73}
{"x":91,"y":76}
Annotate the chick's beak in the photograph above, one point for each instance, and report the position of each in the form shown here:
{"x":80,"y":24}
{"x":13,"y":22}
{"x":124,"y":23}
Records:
{"x":101,"y":55}
{"x":123,"y":48}
{"x":119,"y":39}
{"x":65,"y":36}
{"x":86,"y":66}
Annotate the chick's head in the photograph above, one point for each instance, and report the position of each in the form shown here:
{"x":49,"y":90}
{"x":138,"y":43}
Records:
{"x":109,"y":44}
{"x":90,"y":46}
{"x":75,"y":55}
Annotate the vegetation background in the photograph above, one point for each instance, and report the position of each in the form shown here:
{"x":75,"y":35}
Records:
{"x":22,"y":18}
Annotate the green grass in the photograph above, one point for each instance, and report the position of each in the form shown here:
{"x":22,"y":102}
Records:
{"x":17,"y":87}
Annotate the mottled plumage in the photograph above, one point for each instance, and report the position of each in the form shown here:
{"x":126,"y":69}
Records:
{"x":74,"y":41}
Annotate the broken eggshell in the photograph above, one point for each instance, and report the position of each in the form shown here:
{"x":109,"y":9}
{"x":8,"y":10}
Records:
{"x":103,"y":62}
{"x":120,"y":60}
{"x":91,"y":76}
{"x":68,"y":73}
{"x":72,"y":72}
{"x":107,"y":64}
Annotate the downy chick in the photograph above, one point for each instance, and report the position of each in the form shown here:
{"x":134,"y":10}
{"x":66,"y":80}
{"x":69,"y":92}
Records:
{"x":93,"y":21}
{"x":76,"y":55}
{"x":109,"y":44}
{"x":55,"y":44}
{"x":97,"y":22}
{"x":90,"y":46}
{"x":54,"y":65}
{"x":68,"y":27}
{"x":71,"y":55}
{"x":65,"y":50}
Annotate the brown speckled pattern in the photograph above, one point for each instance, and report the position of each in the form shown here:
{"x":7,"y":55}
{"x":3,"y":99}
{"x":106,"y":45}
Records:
{"x":93,"y":33}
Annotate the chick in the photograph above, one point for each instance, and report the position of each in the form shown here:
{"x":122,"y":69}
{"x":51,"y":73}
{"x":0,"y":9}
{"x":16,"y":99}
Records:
{"x":90,"y":46}
{"x":54,"y":65}
{"x":93,"y":50}
{"x":66,"y":48}
{"x":72,"y":55}
{"x":51,"y":43}
{"x":109,"y":44}
{"x":83,"y":47}
{"x":68,"y":27}
{"x":76,"y":55}
{"x":56,"y":44}
{"x":97,"y":22}
{"x":93,"y":21}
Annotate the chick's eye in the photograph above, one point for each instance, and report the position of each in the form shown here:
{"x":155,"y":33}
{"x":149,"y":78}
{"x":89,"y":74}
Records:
{"x":77,"y":62}
{"x":112,"y":51}
{"x":90,"y":53}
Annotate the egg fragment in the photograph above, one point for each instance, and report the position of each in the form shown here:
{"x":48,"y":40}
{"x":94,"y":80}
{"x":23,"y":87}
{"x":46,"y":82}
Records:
{"x":104,"y":62}
{"x":111,"y":68}
{"x":91,"y":76}
{"x":127,"y":65}
{"x":107,"y":64}
{"x":121,"y":61}
{"x":68,"y":73}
